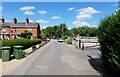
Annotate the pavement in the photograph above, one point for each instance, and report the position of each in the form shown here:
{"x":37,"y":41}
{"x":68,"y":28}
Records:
{"x":60,"y":59}
{"x":0,"y":67}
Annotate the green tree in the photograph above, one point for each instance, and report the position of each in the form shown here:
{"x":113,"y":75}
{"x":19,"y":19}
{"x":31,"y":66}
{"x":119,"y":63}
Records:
{"x":26,"y":34}
{"x":84,"y":31}
{"x":109,"y":38}
{"x":57,"y":31}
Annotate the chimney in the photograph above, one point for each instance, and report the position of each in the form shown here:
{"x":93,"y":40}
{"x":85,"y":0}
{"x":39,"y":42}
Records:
{"x":2,"y":20}
{"x":14,"y":20}
{"x":27,"y":20}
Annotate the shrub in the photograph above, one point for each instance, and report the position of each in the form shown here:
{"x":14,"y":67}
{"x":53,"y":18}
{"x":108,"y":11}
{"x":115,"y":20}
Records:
{"x":26,"y":43}
{"x":109,"y":38}
{"x":68,"y":41}
{"x":26,"y":34}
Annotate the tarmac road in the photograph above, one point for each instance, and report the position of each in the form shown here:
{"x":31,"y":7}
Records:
{"x":58,"y":59}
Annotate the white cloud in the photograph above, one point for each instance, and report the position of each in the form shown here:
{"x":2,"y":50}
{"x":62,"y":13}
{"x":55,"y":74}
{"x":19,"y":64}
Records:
{"x":56,"y":17}
{"x":25,"y":8}
{"x":79,"y":23}
{"x":42,"y":12}
{"x":69,"y":28}
{"x":94,"y":22}
{"x":94,"y":25}
{"x":82,"y":14}
{"x":115,"y":5}
{"x":85,"y":13}
{"x":28,"y":13}
{"x":31,"y":21}
{"x":88,"y":10}
{"x":42,"y":21}
{"x":44,"y":27}
{"x":72,"y":8}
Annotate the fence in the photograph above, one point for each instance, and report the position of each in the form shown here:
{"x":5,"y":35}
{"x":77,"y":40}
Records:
{"x":86,"y":42}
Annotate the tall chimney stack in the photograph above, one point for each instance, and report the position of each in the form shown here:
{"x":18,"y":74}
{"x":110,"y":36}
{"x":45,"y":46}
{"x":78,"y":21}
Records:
{"x":15,"y":20}
{"x":2,"y":20}
{"x":27,"y":20}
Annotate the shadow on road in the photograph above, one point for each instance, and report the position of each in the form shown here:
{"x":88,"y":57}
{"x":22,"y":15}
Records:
{"x":95,"y":63}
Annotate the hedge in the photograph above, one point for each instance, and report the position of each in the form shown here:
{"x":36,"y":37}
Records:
{"x":109,"y":38}
{"x":26,"y":43}
{"x":68,"y":41}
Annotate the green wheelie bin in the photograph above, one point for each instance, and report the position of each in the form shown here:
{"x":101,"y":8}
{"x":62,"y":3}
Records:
{"x":18,"y":52}
{"x":5,"y":54}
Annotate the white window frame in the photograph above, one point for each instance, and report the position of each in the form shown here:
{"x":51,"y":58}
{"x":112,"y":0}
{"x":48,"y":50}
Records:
{"x":15,"y":30}
{"x":4,"y":30}
{"x":30,"y":29}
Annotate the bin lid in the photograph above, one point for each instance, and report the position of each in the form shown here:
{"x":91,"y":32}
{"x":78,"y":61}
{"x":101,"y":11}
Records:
{"x":5,"y":47}
{"x":18,"y":46}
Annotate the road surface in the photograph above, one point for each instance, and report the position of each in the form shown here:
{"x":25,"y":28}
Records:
{"x":58,"y":59}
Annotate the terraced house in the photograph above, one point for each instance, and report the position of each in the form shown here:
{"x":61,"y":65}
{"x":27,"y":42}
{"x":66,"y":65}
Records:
{"x":12,"y":30}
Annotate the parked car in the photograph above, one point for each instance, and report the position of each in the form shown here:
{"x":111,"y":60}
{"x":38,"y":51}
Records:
{"x":60,"y":40}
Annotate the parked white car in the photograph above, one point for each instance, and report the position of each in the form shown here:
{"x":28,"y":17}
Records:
{"x":60,"y":40}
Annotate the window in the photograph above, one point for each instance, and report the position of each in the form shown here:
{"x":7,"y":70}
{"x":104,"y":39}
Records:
{"x":4,"y":30}
{"x":15,"y":37}
{"x":29,"y":29}
{"x":15,"y":30}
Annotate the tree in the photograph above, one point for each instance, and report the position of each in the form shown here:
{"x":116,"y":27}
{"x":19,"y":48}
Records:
{"x":61,"y":31}
{"x":57,"y":31}
{"x":109,"y":38}
{"x":26,"y":34}
{"x":84,"y":31}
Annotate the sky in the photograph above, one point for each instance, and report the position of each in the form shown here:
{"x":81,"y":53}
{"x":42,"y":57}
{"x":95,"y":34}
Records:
{"x":74,"y":14}
{"x":59,"y":0}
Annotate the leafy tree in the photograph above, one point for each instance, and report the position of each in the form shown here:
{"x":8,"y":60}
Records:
{"x":61,"y":31}
{"x":109,"y":38}
{"x":84,"y":31}
{"x":26,"y":34}
{"x":57,"y":31}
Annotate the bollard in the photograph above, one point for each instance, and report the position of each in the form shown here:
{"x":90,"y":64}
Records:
{"x":79,"y":43}
{"x":34,"y":47}
{"x":83,"y":46}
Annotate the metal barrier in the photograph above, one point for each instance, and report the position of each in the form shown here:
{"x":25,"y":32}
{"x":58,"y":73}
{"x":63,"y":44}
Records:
{"x":81,"y":43}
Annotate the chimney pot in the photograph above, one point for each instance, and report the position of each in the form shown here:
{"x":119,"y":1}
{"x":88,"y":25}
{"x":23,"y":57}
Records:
{"x":15,"y":20}
{"x":2,"y":20}
{"x":27,"y":20}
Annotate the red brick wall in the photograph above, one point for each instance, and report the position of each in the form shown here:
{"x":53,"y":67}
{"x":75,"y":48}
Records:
{"x":20,"y":30}
{"x":34,"y":31}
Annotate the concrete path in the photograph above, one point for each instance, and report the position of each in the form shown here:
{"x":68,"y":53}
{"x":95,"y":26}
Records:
{"x":58,"y":59}
{"x":0,"y":67}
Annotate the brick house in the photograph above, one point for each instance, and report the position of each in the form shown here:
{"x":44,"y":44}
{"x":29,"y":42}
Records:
{"x":12,"y":30}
